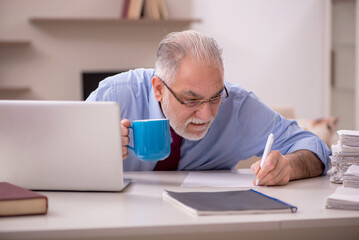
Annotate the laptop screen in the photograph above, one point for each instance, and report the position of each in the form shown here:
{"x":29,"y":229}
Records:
{"x":61,"y":145}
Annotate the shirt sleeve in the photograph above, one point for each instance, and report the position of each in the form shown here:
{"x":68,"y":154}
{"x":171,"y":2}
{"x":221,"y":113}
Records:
{"x":129,"y":89}
{"x":257,"y":121}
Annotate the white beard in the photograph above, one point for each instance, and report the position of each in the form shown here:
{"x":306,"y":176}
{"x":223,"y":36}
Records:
{"x":181,"y":129}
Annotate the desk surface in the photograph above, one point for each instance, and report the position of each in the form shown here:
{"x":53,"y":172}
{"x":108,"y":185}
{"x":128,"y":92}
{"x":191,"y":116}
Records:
{"x":140,"y":211}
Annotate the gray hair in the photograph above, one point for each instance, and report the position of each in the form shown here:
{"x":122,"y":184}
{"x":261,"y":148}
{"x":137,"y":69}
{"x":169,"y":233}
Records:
{"x":177,"y":46}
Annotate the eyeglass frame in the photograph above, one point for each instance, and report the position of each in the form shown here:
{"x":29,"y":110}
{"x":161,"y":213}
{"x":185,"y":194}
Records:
{"x":196,"y":101}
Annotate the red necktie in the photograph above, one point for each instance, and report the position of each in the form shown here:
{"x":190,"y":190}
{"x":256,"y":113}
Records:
{"x":171,"y":162}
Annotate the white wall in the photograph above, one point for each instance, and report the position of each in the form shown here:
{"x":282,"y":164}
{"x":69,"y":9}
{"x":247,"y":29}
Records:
{"x":275,"y":48}
{"x":53,"y":63}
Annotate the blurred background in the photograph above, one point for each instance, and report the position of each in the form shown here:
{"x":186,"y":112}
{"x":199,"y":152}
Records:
{"x":297,"y":54}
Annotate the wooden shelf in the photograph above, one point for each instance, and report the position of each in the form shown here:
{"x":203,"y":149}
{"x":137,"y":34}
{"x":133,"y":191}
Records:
{"x":9,"y":43}
{"x":70,"y":20}
{"x":14,"y":89}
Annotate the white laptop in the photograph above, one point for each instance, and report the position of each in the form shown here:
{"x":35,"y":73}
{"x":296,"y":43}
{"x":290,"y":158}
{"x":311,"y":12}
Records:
{"x":61,"y":145}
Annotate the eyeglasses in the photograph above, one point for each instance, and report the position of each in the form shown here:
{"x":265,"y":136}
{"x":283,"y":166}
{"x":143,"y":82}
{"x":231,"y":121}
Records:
{"x":197,"y":102}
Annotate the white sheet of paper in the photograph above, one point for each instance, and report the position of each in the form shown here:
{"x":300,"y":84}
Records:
{"x":353,"y":170}
{"x":239,"y":178}
{"x":346,"y":194}
{"x":348,"y":132}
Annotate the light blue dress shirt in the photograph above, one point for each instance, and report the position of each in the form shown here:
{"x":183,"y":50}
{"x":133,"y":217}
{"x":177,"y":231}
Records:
{"x":239,"y":131}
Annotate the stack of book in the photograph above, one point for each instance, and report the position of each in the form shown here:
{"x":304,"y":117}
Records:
{"x":345,"y":154}
{"x":345,"y":161}
{"x":147,"y":9}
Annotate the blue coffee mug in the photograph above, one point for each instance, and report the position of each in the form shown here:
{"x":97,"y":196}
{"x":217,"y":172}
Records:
{"x":151,"y":139}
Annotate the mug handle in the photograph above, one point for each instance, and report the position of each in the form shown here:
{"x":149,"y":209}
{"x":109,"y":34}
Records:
{"x":133,"y":148}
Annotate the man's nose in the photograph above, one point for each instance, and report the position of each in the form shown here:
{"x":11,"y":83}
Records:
{"x":204,"y":111}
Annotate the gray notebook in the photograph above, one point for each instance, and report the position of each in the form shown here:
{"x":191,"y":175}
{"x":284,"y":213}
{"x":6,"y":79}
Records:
{"x":228,"y":202}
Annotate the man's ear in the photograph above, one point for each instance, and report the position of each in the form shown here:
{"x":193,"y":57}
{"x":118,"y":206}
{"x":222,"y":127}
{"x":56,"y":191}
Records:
{"x":158,"y":88}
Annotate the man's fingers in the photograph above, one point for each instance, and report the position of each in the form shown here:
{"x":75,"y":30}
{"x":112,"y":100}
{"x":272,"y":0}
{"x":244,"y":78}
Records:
{"x":255,"y":167}
{"x":269,"y":164}
{"x":279,"y":175}
{"x":275,"y":179}
{"x":125,"y":140}
{"x":125,"y":123}
{"x":124,"y":153}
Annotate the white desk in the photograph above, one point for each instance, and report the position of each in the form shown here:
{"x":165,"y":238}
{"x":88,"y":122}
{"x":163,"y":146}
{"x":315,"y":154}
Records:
{"x":140,"y":212}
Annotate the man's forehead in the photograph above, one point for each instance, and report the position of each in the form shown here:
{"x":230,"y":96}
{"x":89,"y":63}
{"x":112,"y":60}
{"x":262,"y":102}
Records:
{"x":198,"y":95}
{"x":197,"y":75}
{"x":193,"y":75}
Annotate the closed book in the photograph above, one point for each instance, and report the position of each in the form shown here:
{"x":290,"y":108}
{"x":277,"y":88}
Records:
{"x":15,"y":201}
{"x":126,"y":5}
{"x":135,"y":9}
{"x":152,"y":10}
{"x":163,"y":9}
{"x":228,"y":202}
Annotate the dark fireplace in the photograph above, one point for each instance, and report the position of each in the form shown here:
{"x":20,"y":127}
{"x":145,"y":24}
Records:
{"x":90,"y":80}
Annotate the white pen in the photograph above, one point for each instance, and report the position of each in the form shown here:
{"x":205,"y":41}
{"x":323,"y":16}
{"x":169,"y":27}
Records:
{"x":267,"y":149}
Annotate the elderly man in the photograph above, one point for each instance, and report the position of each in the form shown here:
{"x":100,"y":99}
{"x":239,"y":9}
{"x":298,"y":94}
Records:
{"x":215,"y":123}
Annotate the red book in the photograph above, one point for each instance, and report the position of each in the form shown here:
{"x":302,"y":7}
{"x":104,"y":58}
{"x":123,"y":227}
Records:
{"x":126,"y":5}
{"x":17,"y":201}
